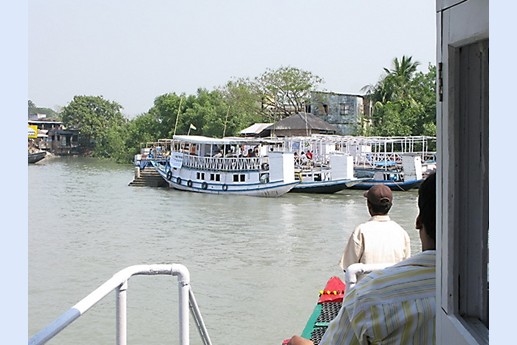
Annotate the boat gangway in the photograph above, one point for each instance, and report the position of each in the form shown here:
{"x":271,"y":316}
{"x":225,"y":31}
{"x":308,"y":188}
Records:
{"x":119,"y":283}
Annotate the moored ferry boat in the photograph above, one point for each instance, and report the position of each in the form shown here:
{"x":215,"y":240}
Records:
{"x":240,"y":166}
{"x":319,"y":167}
{"x":402,"y":177}
{"x":331,"y":177}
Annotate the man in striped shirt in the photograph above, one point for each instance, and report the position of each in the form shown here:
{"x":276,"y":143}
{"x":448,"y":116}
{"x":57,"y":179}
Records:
{"x":395,"y":305}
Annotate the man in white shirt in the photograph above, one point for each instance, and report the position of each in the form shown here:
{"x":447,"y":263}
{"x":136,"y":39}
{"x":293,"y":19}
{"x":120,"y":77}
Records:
{"x":380,"y":240}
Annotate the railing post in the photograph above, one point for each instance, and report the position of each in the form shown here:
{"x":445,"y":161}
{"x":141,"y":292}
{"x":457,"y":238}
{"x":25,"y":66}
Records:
{"x":184,"y":295}
{"x":119,"y":283}
{"x":121,"y":302}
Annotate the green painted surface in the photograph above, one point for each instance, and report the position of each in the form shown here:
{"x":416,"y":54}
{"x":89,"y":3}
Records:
{"x":311,"y":322}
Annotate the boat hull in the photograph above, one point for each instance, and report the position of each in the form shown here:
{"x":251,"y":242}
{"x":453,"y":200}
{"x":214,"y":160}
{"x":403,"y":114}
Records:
{"x":394,"y":186}
{"x":36,"y":156}
{"x":324,"y":187}
{"x":269,"y":189}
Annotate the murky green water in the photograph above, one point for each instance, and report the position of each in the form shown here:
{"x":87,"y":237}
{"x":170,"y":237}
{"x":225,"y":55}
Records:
{"x":256,"y":264}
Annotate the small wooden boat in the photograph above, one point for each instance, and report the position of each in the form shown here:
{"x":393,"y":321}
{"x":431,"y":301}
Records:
{"x":327,"y":308}
{"x":35,"y":157}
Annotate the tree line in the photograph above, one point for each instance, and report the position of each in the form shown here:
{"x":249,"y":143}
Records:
{"x":402,"y":103}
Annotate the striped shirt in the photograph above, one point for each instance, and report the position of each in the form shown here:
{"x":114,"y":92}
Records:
{"x":391,"y":306}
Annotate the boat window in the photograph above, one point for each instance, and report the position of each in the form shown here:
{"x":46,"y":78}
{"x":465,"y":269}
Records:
{"x":239,"y":178}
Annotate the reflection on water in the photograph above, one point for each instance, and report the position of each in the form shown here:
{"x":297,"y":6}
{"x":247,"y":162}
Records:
{"x":256,"y":264}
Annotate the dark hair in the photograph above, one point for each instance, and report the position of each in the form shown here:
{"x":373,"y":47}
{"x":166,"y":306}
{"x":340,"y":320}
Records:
{"x":380,"y":209}
{"x":427,"y":204}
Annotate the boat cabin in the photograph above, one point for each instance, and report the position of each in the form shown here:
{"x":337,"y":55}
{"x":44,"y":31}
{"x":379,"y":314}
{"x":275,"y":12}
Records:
{"x":462,"y":171}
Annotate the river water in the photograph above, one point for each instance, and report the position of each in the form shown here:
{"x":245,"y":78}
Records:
{"x":256,"y":264}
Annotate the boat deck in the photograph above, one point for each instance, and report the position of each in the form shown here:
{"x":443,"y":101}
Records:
{"x":327,"y":313}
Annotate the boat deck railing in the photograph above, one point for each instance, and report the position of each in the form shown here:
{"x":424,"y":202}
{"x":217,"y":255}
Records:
{"x":119,"y":283}
{"x":376,"y":159}
{"x":224,"y":163}
{"x":353,"y":271}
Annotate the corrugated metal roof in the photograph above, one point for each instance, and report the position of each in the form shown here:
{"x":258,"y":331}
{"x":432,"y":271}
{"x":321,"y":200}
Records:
{"x":255,"y":128}
{"x":303,"y":121}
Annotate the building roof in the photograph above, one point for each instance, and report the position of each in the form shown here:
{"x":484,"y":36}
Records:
{"x":255,"y":129}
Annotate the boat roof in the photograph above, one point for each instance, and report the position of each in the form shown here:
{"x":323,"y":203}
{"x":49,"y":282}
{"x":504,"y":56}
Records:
{"x":386,"y":164}
{"x":199,"y":139}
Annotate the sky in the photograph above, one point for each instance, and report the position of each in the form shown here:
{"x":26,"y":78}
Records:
{"x":132,"y":51}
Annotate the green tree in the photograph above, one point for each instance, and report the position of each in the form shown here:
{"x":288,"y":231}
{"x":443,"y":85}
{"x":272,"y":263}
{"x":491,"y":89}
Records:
{"x":113,"y":145}
{"x":284,"y":91}
{"x":244,"y":105}
{"x":424,"y":90}
{"x":97,"y":119}
{"x":162,"y":116}
{"x":207,"y":112}
{"x":33,"y":109}
{"x":404,"y":101}
{"x":219,"y":112}
{"x":140,"y":130}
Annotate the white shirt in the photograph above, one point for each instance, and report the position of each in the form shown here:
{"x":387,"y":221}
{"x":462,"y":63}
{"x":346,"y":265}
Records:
{"x":379,"y":240}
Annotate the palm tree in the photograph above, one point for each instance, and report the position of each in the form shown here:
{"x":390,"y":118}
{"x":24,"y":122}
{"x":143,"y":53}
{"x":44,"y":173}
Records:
{"x":393,"y":87}
{"x":404,"y":69}
{"x":395,"y":84}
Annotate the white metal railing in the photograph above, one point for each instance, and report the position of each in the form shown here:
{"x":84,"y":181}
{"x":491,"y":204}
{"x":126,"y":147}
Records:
{"x":223,"y":164}
{"x":352,"y":272}
{"x":119,"y":283}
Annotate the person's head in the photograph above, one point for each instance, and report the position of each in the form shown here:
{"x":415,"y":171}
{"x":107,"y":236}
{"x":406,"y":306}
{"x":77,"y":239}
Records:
{"x":380,"y":199}
{"x":426,"y":219}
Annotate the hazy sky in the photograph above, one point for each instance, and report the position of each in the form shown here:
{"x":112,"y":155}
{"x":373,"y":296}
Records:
{"x":132,"y":51}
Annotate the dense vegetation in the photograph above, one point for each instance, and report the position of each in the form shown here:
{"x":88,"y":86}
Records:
{"x":404,"y":101}
{"x":403,"y":104}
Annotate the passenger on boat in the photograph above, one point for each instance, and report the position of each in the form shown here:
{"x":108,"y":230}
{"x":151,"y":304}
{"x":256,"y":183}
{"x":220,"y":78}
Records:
{"x":380,"y":240}
{"x":396,"y":305}
{"x":297,"y":161}
{"x":303,"y":158}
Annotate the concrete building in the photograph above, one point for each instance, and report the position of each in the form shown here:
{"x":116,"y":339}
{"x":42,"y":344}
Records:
{"x":345,"y":111}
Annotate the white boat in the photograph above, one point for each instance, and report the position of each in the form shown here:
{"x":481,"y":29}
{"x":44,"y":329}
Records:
{"x":334,"y":175}
{"x":326,"y":170}
{"x":402,"y":177}
{"x":242,"y":166}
